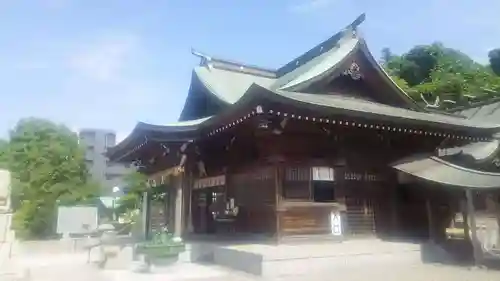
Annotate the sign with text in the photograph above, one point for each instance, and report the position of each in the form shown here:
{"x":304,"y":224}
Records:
{"x":336,"y":223}
{"x":209,"y":182}
{"x":353,"y":176}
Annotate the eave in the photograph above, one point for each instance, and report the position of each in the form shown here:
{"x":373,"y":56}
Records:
{"x":337,"y":110}
{"x":436,"y":170}
{"x":328,"y":109}
{"x":488,"y":111}
{"x":144,"y":133}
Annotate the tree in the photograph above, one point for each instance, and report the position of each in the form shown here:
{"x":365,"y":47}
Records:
{"x":437,"y":71}
{"x":386,"y":56}
{"x":4,"y":150}
{"x":494,"y":57}
{"x":47,"y":166}
{"x":135,"y":184}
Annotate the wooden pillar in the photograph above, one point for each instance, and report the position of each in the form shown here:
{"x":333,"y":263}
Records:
{"x":145,"y":215}
{"x":171,"y":207}
{"x":277,"y":190}
{"x":189,"y":202}
{"x":178,"y":207}
{"x":430,"y":219}
{"x":478,"y":253}
{"x":394,"y":209}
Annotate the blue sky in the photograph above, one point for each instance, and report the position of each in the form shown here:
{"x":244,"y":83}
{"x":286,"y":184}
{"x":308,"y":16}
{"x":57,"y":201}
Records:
{"x":111,"y":63}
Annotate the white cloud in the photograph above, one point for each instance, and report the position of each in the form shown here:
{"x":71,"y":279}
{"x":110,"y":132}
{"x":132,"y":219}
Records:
{"x":307,"y":6}
{"x":103,"y":60}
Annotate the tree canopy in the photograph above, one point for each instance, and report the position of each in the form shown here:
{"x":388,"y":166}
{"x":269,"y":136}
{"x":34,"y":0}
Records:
{"x":4,"y":147}
{"x":135,"y":184}
{"x":48,"y":167}
{"x":434,"y":71}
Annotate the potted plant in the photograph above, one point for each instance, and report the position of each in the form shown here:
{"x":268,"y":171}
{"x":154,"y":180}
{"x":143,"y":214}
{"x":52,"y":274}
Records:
{"x":162,"y":249}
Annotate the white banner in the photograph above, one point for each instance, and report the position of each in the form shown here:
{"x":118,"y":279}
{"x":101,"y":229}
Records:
{"x":336,"y":223}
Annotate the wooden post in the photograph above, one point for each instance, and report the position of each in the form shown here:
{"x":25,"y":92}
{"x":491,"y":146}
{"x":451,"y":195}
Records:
{"x":430,"y":220}
{"x":178,"y":207}
{"x":277,"y":190}
{"x":394,"y":214}
{"x":145,"y":215}
{"x":478,"y":253}
{"x":189,"y":191}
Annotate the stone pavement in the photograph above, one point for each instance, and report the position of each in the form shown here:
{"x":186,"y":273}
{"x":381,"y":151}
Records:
{"x":63,"y":267}
{"x":212,"y":273}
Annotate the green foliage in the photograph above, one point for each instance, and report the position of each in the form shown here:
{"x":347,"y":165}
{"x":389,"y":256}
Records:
{"x":4,"y":150}
{"x":161,"y":245}
{"x":136,"y":184}
{"x":436,"y":71}
{"x":47,"y":166}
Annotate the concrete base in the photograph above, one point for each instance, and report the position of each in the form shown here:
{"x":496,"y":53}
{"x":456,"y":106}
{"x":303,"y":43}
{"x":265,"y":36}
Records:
{"x":198,"y":252}
{"x":282,"y":260}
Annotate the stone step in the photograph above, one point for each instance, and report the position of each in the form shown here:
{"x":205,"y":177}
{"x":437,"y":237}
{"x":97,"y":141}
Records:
{"x":317,"y":238}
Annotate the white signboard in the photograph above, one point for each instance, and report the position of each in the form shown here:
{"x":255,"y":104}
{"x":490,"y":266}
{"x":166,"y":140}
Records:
{"x":323,"y":174}
{"x":336,"y":224}
{"x":76,"y":220}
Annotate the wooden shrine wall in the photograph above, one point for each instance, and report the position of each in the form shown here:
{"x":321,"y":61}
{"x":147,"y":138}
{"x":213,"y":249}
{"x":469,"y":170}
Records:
{"x":364,"y":184}
{"x":298,"y":214}
{"x":269,"y":176}
{"x":255,"y":195}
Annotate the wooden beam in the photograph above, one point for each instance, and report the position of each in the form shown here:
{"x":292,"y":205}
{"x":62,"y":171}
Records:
{"x":162,"y":177}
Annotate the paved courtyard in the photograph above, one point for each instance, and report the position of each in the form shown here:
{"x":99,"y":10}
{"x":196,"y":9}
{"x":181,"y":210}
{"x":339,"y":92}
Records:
{"x":72,"y":267}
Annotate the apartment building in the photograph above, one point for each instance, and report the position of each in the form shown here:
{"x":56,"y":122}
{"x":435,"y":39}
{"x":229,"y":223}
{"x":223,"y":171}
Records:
{"x":96,"y":142}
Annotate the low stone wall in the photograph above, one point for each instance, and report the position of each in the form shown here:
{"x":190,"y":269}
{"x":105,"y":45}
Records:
{"x":282,"y":260}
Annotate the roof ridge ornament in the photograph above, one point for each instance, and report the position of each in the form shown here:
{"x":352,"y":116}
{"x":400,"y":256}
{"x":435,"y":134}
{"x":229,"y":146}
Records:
{"x":354,"y":71}
{"x":204,"y":58}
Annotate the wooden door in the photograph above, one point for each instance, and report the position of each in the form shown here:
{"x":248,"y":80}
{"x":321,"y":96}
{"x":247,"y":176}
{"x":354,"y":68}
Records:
{"x":200,"y":211}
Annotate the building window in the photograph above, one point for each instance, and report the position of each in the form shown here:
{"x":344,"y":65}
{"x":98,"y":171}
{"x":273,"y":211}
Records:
{"x":323,"y":191}
{"x":89,"y":162}
{"x":296,"y":183}
{"x":89,"y":136}
{"x":110,"y":140}
{"x":323,"y":184}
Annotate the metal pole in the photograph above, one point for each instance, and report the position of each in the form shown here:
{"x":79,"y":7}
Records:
{"x":113,"y":207}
